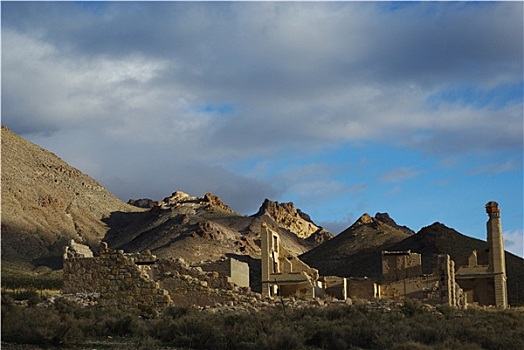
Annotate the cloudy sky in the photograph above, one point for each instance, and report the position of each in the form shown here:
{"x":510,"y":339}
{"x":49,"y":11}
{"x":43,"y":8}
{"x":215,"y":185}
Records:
{"x":415,"y":109}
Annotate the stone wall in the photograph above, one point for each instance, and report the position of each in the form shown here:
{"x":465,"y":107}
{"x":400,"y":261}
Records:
{"x":397,"y":266}
{"x":77,"y":250}
{"x":438,"y":288}
{"x":117,"y":277}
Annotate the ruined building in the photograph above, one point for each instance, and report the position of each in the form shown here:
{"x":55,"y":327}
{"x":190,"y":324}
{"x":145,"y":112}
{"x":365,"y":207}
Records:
{"x":141,"y":280}
{"x":402,"y":277}
{"x":282,"y":273}
{"x":286,"y":275}
{"x":484,"y":277}
{"x":481,"y":281}
{"x":121,"y":279}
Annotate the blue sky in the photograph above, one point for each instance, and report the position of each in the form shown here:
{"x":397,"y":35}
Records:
{"x":415,"y":109}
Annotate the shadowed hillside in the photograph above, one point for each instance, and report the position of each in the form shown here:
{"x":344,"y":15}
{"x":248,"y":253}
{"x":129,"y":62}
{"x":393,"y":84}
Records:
{"x":46,"y":202}
{"x":357,"y":250}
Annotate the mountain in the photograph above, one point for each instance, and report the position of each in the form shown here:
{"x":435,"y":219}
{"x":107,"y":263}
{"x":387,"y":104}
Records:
{"x":46,"y":202}
{"x":357,"y":250}
{"x":204,"y":228}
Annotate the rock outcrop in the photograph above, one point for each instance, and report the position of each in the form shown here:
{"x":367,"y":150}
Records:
{"x":385,"y":218}
{"x":142,"y":203}
{"x":294,"y":220}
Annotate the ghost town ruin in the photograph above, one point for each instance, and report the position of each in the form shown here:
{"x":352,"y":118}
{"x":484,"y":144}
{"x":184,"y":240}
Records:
{"x":141,"y":280}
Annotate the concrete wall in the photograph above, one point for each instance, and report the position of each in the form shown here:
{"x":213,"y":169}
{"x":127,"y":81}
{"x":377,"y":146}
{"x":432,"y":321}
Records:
{"x":438,"y":288}
{"x":421,"y":287}
{"x":239,"y":272}
{"x":486,"y":284}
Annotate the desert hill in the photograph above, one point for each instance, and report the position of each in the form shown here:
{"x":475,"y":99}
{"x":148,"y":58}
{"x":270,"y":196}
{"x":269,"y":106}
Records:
{"x":357,"y":250}
{"x":204,"y":228}
{"x":46,"y":202}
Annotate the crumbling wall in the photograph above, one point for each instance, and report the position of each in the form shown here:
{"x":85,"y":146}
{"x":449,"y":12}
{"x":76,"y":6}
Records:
{"x":362,"y":288}
{"x":421,"y":287}
{"x":117,"y":277}
{"x":77,"y":250}
{"x":192,"y":285}
{"x":236,"y":271}
{"x":335,"y":286}
{"x":450,"y":292}
{"x":283,"y":273}
{"x":438,"y":288}
{"x":400,"y":265}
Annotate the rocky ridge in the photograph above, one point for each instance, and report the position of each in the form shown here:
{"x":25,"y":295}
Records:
{"x":200,"y":228}
{"x":294,"y":220}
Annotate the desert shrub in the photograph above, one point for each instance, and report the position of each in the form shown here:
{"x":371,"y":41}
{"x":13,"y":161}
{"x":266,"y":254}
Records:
{"x":39,"y":326}
{"x":446,"y":310}
{"x":193,"y":331}
{"x":31,"y":295}
{"x":64,"y":306}
{"x":177,"y":311}
{"x":326,"y":337}
{"x":411,"y":345}
{"x":411,"y":307}
{"x":332,"y":327}
{"x":7,"y":299}
{"x":20,"y":277}
{"x":103,"y":322}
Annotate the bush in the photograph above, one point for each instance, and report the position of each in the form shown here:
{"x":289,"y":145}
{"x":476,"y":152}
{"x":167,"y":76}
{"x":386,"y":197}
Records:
{"x":411,"y":307}
{"x":39,"y":326}
{"x":332,"y":327}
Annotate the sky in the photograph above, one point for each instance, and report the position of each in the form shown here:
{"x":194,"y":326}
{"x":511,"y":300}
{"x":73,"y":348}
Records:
{"x":411,"y":108}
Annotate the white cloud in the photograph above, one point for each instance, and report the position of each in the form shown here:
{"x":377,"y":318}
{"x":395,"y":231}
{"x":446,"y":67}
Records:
{"x":400,"y":174}
{"x":496,"y":168}
{"x":514,"y":242}
{"x":132,"y":77}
